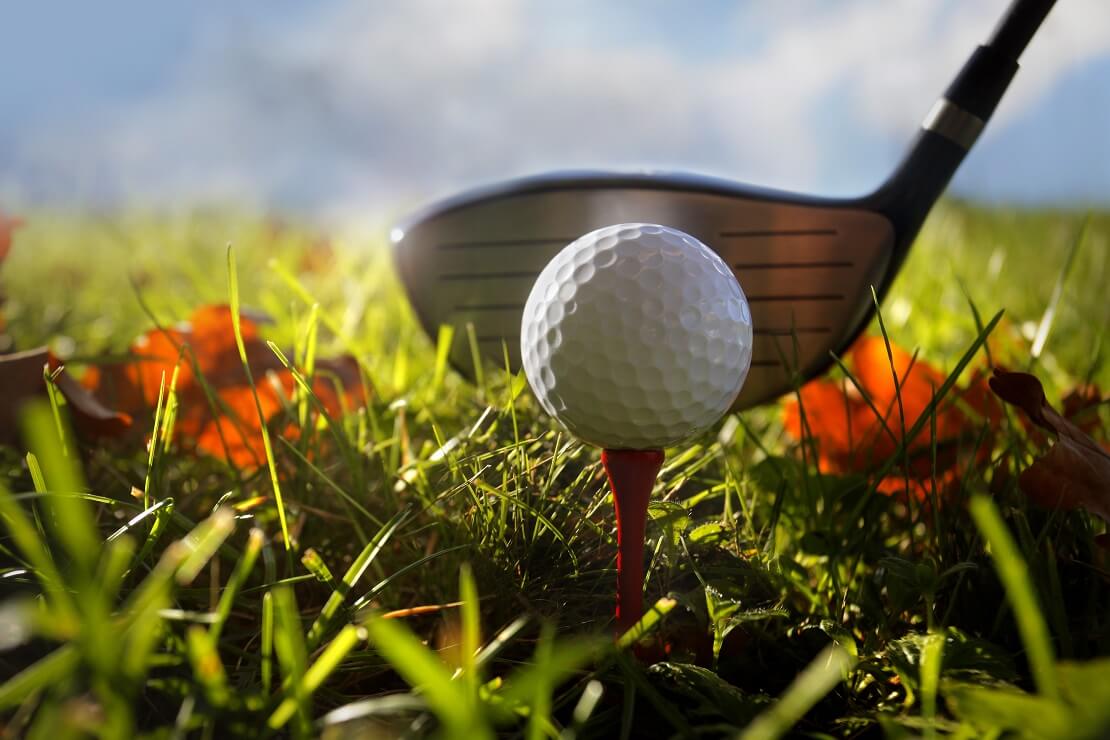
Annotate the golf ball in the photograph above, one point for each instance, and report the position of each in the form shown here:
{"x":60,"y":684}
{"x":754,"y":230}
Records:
{"x":636,"y":336}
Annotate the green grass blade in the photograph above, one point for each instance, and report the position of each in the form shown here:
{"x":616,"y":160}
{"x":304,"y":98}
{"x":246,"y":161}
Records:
{"x":263,"y":427}
{"x":1013,"y":572}
{"x":443,"y":351}
{"x":291,"y":654}
{"x":494,"y":647}
{"x":811,"y":685}
{"x":558,"y":661}
{"x":71,"y":517}
{"x":169,"y":417}
{"x":541,"y":519}
{"x":238,"y":577}
{"x":648,"y":623}
{"x":152,"y":454}
{"x":48,"y":671}
{"x":330,"y":610}
{"x":351,"y":500}
{"x":1026,"y":715}
{"x":163,"y":515}
{"x":381,"y":585}
{"x":1049,"y":315}
{"x":334,"y":654}
{"x":932,"y":654}
{"x":38,"y":555}
{"x":151,"y":511}
{"x":141,"y":614}
{"x":203,"y":542}
{"x":38,"y":480}
{"x":928,"y":412}
{"x":539,"y":697}
{"x":115,"y":561}
{"x":267,"y":638}
{"x":208,"y":669}
{"x":476,"y":357}
{"x":471,"y":630}
{"x":422,"y":669}
{"x":315,"y":565}
{"x":349,"y":344}
{"x":308,"y":362}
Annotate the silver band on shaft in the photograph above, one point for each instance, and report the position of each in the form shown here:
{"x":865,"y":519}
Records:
{"x":953,"y":123}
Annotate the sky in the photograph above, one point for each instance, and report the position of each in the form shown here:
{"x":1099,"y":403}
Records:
{"x":358,"y":108}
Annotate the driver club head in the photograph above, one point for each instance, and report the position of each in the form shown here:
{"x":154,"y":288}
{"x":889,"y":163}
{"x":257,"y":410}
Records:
{"x":806,"y":265}
{"x":811,"y":267}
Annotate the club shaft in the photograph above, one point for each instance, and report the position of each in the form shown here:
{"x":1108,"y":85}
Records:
{"x":953,"y":125}
{"x":1016,"y":29}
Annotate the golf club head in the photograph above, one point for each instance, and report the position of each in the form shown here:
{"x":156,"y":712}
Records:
{"x":807,"y":265}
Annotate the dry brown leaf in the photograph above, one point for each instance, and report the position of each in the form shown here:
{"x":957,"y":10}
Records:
{"x":21,"y":380}
{"x":1081,"y":406}
{"x":1076,"y":471}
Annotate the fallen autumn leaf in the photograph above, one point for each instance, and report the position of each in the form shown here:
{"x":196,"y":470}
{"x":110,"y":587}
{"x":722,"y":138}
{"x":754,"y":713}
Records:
{"x":1075,"y":473}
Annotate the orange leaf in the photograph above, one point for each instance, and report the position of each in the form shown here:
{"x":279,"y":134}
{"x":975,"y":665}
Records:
{"x":851,"y":436}
{"x":916,"y":380}
{"x":1076,"y":471}
{"x":7,"y":228}
{"x":228,"y":426}
{"x":235,"y":435}
{"x":837,"y":418}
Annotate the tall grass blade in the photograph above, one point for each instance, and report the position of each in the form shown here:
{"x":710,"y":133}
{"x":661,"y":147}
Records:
{"x":328,"y":614}
{"x":70,"y":517}
{"x":812,"y":684}
{"x":267,"y":637}
{"x":38,"y":555}
{"x":1013,"y":572}
{"x":239,"y":576}
{"x":443,"y":350}
{"x":203,"y":542}
{"x":263,"y":428}
{"x":153,"y":445}
{"x":291,"y":654}
{"x":1049,"y":315}
{"x":932,"y":655}
{"x":207,"y":667}
{"x":471,"y":630}
{"x":48,"y":671}
{"x":422,"y":670}
{"x":346,"y":641}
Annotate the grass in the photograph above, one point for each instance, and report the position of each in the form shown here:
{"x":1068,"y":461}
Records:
{"x":450,"y":566}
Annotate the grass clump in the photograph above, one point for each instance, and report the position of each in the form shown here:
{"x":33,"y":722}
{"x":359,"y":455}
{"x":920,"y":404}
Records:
{"x":440,"y":560}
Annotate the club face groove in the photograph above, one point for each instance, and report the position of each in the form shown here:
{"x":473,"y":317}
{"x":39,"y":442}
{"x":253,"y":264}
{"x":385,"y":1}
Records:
{"x":807,"y":265}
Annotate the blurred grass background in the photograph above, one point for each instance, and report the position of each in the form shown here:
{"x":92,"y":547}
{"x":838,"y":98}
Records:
{"x":73,"y":281}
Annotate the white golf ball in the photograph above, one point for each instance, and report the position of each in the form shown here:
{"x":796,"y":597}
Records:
{"x":636,"y":336}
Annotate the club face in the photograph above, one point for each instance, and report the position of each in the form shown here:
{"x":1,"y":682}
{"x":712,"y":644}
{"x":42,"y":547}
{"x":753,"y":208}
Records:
{"x":806,"y":265}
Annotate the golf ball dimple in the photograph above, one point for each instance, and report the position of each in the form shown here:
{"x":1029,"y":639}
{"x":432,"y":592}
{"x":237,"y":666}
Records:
{"x":656,"y":346}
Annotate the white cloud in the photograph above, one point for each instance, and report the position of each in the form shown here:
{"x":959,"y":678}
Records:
{"x":896,"y":54}
{"x":361,"y":105}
